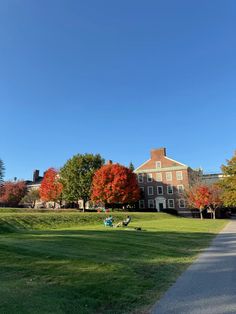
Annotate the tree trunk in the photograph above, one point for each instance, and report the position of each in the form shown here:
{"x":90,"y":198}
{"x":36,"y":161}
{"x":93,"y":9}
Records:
{"x":201,"y":214}
{"x":214,"y":214}
{"x":84,"y":204}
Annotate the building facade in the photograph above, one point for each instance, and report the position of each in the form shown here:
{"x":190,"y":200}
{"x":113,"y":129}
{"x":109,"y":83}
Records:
{"x":211,"y":178}
{"x":163,"y":182}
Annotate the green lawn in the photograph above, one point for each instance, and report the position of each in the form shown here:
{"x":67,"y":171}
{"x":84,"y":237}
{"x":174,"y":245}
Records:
{"x":70,"y":263}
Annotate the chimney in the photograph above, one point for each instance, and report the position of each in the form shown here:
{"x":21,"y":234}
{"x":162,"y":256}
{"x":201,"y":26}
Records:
{"x":158,"y":153}
{"x":109,"y":162}
{"x":35,"y":175}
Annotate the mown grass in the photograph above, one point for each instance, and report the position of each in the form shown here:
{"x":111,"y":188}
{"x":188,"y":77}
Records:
{"x":70,"y":263}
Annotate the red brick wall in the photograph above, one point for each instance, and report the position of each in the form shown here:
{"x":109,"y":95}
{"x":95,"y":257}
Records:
{"x":160,"y":155}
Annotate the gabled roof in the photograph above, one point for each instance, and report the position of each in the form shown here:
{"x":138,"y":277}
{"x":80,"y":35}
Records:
{"x":176,"y":161}
{"x":142,"y":164}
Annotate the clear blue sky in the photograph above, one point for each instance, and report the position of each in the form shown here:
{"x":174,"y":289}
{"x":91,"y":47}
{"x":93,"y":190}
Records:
{"x":116,"y":78}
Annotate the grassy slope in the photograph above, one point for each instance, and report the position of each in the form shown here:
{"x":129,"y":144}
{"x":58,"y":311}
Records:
{"x":87,"y":268}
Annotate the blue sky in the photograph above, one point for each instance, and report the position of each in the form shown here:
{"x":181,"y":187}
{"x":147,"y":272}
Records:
{"x":116,"y":78}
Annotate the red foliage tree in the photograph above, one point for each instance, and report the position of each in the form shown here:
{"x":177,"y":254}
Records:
{"x":205,"y":196}
{"x":11,"y":193}
{"x":114,"y":183}
{"x":51,"y":188}
{"x":199,"y":197}
{"x":215,"y":199}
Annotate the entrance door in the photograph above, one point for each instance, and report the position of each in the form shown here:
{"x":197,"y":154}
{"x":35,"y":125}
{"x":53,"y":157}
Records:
{"x":160,"y":203}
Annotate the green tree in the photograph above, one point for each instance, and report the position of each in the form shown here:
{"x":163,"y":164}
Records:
{"x":228,"y":183}
{"x":2,"y":169}
{"x":77,"y":175}
{"x":131,"y":166}
{"x":31,"y":197}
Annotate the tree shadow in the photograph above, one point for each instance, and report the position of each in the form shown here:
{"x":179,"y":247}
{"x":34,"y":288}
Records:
{"x":93,"y":271}
{"x":208,"y":286}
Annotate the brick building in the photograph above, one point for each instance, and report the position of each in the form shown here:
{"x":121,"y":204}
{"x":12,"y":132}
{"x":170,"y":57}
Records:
{"x":163,"y":182}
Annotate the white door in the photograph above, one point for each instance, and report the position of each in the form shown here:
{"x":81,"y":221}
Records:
{"x":160,"y":203}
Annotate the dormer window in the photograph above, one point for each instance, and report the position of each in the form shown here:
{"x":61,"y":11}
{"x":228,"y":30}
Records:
{"x":158,"y":164}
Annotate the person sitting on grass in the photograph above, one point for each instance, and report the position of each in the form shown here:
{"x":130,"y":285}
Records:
{"x":124,"y":223}
{"x":108,"y":222}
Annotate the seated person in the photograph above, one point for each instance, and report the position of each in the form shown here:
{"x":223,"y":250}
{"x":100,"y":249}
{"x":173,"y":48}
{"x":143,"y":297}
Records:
{"x":108,"y":221}
{"x":124,"y":223}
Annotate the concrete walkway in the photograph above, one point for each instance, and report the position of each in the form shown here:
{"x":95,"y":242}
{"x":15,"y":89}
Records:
{"x":208,"y":286}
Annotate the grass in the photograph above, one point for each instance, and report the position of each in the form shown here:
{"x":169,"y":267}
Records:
{"x":70,"y":263}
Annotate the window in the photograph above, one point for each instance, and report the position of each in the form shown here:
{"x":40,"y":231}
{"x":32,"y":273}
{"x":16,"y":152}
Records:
{"x":179,"y":175}
{"x":150,"y":190}
{"x":170,"y":189}
{"x":140,"y":178}
{"x":168,"y":176}
{"x":141,"y":204}
{"x":158,"y":164}
{"x":142,"y":194}
{"x":171,"y":203}
{"x":160,"y":190}
{"x":149,"y":177}
{"x":180,"y":188}
{"x":151,"y":203}
{"x":181,"y":203}
{"x":159,"y":177}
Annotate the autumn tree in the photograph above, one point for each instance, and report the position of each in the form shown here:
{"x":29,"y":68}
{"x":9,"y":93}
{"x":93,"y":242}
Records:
{"x":51,"y":188}
{"x":12,"y":192}
{"x":77,"y":175}
{"x":215,"y":198}
{"x":31,"y":197}
{"x":2,"y":169}
{"x":199,"y":197}
{"x":114,"y":183}
{"x":228,"y":183}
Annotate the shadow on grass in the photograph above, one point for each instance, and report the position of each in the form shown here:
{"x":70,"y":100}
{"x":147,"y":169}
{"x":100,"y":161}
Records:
{"x":209,"y":285}
{"x":91,"y":271}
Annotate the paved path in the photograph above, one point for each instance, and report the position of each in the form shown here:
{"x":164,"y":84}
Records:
{"x":208,"y":286}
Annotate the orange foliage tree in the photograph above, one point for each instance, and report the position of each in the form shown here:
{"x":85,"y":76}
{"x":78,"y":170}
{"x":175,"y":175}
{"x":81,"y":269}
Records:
{"x":205,"y":196}
{"x":199,"y":197}
{"x":113,"y":184}
{"x":51,"y":188}
{"x":215,"y":200}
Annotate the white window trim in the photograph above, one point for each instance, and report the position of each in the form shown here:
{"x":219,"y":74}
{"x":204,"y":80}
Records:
{"x":149,"y":177}
{"x":179,"y":172}
{"x":151,"y":201}
{"x":148,"y":190}
{"x":159,"y":174}
{"x":141,"y":204}
{"x":168,"y":192}
{"x":171,"y":199}
{"x":140,"y":178}
{"x":180,"y":203}
{"x":158,"y":162}
{"x":142,"y":188}
{"x":168,"y":173}
{"x":182,"y":186}
{"x":160,"y":186}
